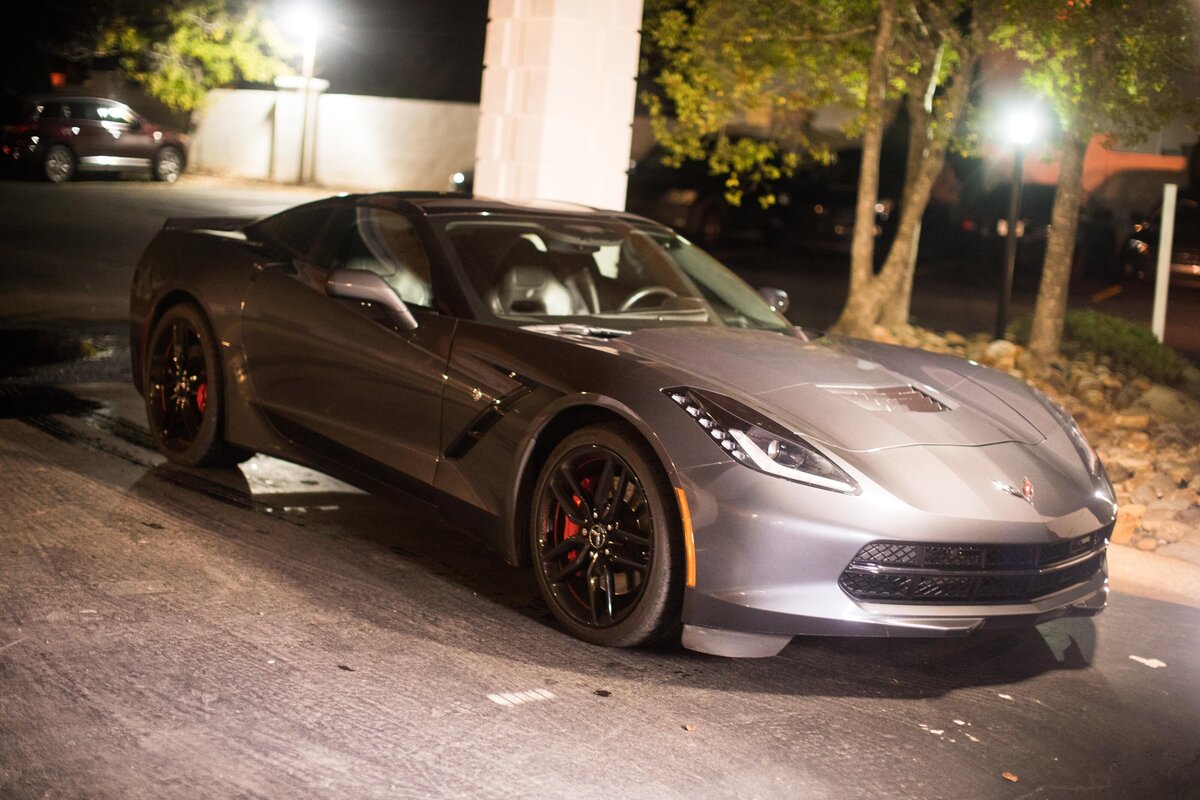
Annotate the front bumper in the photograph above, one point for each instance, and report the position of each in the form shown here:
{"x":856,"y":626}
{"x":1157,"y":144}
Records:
{"x":771,"y":556}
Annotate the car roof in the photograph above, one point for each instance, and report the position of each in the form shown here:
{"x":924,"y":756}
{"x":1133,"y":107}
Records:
{"x":438,"y":203}
{"x":73,"y":98}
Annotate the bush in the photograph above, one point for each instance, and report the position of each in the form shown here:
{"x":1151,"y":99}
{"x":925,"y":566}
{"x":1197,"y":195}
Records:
{"x":1130,"y":346}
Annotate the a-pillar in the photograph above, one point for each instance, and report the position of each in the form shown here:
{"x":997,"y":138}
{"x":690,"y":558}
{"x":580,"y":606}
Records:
{"x":556,"y":110}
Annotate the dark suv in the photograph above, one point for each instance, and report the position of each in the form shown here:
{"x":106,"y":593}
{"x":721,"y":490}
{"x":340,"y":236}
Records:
{"x":59,"y":136}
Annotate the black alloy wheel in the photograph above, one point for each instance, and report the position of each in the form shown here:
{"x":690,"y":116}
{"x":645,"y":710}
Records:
{"x":183,"y":390}
{"x":604,"y":539}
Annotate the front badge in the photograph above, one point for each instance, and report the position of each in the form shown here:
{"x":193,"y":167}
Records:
{"x":1024,"y":493}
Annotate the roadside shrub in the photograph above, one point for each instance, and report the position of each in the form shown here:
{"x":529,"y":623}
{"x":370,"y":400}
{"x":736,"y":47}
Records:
{"x":1130,"y":346}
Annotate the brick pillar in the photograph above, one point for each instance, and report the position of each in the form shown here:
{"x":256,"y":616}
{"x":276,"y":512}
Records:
{"x":557,"y":100}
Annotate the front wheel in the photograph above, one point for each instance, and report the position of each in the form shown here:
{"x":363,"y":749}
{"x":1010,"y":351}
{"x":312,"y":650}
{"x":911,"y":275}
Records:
{"x":184,"y":391}
{"x":168,"y":165}
{"x":604,"y":538}
{"x":58,"y":165}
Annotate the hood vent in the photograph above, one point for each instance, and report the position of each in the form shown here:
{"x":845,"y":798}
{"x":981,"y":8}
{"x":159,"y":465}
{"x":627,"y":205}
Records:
{"x":888,"y":398}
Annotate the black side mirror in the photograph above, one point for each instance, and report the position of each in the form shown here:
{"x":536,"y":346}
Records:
{"x":777,"y":299}
{"x":367,"y":287}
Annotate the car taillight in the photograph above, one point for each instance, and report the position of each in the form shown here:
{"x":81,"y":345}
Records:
{"x":968,"y":225}
{"x":20,"y":129}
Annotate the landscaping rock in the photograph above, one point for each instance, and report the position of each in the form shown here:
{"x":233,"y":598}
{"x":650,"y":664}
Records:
{"x":1132,"y":422}
{"x":1173,"y":531}
{"x":1170,"y":403}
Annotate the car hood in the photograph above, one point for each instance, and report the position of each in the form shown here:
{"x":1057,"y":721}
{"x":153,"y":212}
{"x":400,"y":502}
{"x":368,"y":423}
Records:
{"x":845,"y":393}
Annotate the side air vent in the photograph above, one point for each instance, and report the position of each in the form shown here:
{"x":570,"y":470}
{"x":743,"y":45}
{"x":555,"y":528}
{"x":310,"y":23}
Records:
{"x":888,"y":398}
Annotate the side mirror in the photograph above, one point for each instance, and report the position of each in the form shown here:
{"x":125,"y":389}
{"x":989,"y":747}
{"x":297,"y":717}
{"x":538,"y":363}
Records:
{"x":777,"y":299}
{"x":367,"y":287}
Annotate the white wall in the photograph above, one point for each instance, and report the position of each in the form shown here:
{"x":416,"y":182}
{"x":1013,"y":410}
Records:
{"x":557,"y":100}
{"x":367,"y":143}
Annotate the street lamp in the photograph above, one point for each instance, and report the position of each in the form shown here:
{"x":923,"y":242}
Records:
{"x":1022,"y":125}
{"x":308,"y":24}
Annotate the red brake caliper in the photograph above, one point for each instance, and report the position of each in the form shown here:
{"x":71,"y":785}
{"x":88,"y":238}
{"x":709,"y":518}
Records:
{"x":569,"y":528}
{"x":202,"y":397}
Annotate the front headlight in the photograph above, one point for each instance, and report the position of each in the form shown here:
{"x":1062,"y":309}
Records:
{"x":759,"y":443}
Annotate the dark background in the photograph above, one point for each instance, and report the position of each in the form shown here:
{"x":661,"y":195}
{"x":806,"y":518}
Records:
{"x":426,"y":49}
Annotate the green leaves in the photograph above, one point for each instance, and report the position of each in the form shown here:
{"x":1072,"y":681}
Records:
{"x":179,"y":50}
{"x":1106,"y":67}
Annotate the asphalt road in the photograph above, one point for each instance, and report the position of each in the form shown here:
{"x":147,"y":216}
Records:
{"x":269,"y":633}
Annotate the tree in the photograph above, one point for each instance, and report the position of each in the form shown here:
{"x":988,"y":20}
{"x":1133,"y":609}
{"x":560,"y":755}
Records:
{"x":1106,"y":67}
{"x":725,"y":59}
{"x":179,"y":49}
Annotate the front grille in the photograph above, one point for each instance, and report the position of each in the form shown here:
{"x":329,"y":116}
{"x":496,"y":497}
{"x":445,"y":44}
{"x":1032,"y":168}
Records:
{"x":901,"y":572}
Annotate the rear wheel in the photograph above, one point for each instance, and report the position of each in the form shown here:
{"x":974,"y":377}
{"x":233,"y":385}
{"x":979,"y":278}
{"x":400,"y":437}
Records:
{"x":184,"y":391}
{"x":58,"y":165}
{"x":168,"y":165}
{"x":604,"y":540}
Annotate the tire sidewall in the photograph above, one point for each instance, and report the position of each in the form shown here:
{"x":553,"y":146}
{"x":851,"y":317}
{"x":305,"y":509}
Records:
{"x":46,"y":160}
{"x":158,"y":158}
{"x":208,"y":438}
{"x":657,"y":612}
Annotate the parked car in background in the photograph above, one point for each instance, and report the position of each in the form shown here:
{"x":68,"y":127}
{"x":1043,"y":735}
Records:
{"x":1140,"y":253}
{"x":984,"y":227}
{"x":690,"y":199}
{"x":58,"y":137}
{"x":824,"y":200}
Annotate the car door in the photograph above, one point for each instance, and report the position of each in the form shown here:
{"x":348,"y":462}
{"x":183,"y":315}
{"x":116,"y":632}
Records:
{"x":128,"y":144}
{"x":338,"y":377}
{"x":93,"y":145}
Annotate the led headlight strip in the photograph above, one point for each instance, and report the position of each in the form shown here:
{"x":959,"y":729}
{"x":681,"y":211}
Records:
{"x":748,"y":437}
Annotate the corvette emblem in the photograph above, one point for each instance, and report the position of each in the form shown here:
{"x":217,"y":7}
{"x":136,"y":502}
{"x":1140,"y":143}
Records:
{"x":1024,"y":493}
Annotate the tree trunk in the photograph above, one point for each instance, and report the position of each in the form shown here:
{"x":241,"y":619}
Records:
{"x":1045,"y":336}
{"x":898,"y":305}
{"x":862,"y":248}
{"x":864,"y":307}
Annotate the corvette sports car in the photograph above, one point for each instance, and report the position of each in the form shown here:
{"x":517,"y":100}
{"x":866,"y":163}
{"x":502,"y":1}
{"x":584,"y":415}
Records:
{"x":592,"y":394}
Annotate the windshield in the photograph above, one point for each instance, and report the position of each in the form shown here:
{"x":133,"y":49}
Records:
{"x":604,"y":272}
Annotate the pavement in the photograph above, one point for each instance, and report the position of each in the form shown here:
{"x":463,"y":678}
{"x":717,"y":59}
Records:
{"x":268,"y":632}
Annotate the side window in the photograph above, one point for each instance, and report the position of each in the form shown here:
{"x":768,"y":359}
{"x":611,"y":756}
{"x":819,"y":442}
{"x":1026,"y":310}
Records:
{"x":386,"y":243}
{"x":54,"y":111}
{"x":107,"y":113}
{"x":88,"y":111}
{"x":295,"y":229}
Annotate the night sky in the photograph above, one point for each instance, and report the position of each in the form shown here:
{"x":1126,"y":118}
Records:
{"x":430,"y":49}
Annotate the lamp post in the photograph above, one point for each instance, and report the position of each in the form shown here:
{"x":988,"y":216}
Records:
{"x":1022,"y":127}
{"x":307,"y":22}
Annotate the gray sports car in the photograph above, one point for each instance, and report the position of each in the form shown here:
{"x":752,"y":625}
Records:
{"x":590,"y":392}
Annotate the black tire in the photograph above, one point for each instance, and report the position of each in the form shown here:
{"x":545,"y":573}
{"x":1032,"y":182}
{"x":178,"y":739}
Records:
{"x":184,"y":391}
{"x":617,"y":581}
{"x":58,"y":164}
{"x":168,"y":164}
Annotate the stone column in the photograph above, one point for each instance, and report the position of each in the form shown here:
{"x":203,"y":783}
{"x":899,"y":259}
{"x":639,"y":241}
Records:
{"x":557,"y":100}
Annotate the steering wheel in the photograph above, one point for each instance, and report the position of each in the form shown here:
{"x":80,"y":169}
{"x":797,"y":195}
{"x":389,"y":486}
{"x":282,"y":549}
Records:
{"x":643,"y":293}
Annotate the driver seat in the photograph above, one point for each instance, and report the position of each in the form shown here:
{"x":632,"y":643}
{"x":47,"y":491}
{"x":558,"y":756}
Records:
{"x":531,"y":289}
{"x":527,"y":285}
